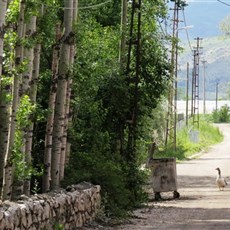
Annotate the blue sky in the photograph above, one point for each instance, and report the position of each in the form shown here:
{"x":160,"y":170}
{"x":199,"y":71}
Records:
{"x":205,"y":17}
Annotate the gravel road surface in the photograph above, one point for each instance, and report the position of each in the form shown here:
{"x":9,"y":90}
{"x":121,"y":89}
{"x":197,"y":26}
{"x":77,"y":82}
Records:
{"x":201,"y":205}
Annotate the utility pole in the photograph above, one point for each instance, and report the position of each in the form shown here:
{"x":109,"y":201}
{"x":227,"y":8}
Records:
{"x":133,"y":75}
{"x":204,"y":88}
{"x":195,"y":84}
{"x":122,"y":53}
{"x":217,"y":84}
{"x":171,"y":114}
{"x":171,"y":122}
{"x":187,"y":89}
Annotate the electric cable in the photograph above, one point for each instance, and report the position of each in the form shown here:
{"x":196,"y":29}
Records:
{"x":223,"y":2}
{"x":184,"y":19}
{"x":198,"y":1}
{"x":80,"y":7}
{"x":94,"y":6}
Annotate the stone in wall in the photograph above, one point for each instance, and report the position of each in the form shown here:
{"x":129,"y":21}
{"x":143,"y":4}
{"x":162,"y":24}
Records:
{"x":70,"y":208}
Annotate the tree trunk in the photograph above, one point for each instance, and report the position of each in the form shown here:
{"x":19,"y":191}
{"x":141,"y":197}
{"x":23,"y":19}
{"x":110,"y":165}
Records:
{"x":49,"y":126}
{"x":3,"y":8}
{"x":4,"y":116}
{"x":8,"y":165}
{"x":60,"y":105}
{"x":26,"y":88}
{"x":65,"y":150}
{"x":119,"y":139}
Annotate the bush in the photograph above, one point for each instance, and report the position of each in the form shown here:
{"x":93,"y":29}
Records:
{"x":221,"y":115}
{"x":207,"y":135}
{"x":117,"y":198}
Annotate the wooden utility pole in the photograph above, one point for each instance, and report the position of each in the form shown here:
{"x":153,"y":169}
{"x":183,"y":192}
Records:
{"x":172,"y":97}
{"x":122,"y":54}
{"x":204,"y":90}
{"x":187,"y":89}
{"x":133,"y":73}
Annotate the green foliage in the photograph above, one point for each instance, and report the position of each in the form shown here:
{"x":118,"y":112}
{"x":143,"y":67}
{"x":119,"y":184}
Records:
{"x":12,"y":14}
{"x":180,"y":3}
{"x":225,"y":25}
{"x":103,"y":105}
{"x":24,"y":112}
{"x":221,"y":115}
{"x":58,"y":226}
{"x":9,"y":46}
{"x":186,"y":147}
{"x":35,"y":189}
{"x":107,"y":172}
{"x":106,"y":14}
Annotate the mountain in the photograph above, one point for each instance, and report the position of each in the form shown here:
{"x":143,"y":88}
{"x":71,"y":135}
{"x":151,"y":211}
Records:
{"x":216,"y":52}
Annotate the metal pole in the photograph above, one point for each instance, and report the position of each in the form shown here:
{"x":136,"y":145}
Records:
{"x":187,"y":85}
{"x":204,"y":89}
{"x":217,"y":95}
{"x":171,"y":114}
{"x":175,"y":81}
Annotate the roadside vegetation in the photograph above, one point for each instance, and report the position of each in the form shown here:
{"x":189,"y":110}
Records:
{"x":109,"y":172}
{"x":78,"y":106}
{"x":221,"y":115}
{"x":192,"y":140}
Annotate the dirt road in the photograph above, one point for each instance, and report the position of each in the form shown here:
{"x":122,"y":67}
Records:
{"x":201,"y":205}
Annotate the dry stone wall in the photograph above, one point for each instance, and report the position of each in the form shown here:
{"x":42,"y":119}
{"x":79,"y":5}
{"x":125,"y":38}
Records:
{"x":64,"y":209}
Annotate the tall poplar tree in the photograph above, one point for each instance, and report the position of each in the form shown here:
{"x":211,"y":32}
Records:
{"x":51,"y":104}
{"x":26,"y":83}
{"x":4,"y":116}
{"x":3,"y":8}
{"x":8,"y":165}
{"x":65,"y":144}
{"x":61,"y":99}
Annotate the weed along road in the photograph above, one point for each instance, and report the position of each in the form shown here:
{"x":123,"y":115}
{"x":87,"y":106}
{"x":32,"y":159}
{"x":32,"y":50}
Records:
{"x":201,"y":205}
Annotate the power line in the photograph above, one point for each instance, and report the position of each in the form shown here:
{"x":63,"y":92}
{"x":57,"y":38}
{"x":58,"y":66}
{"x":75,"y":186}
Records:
{"x":80,"y":7}
{"x":162,"y":30}
{"x":94,"y":6}
{"x":198,"y":1}
{"x":223,"y":3}
{"x":186,"y":30}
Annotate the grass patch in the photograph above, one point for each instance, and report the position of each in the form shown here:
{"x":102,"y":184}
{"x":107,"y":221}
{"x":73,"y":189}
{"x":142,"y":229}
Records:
{"x":187,"y":146}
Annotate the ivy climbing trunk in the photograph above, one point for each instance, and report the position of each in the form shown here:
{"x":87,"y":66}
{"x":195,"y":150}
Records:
{"x":26,"y":88}
{"x":34,"y":75}
{"x":4,"y":116}
{"x":3,"y":8}
{"x":8,"y":164}
{"x":60,"y":104}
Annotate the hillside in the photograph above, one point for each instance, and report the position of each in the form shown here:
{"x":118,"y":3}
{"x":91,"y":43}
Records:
{"x":216,"y":51}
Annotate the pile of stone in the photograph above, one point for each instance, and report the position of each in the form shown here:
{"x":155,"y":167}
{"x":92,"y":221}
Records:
{"x":65,"y":209}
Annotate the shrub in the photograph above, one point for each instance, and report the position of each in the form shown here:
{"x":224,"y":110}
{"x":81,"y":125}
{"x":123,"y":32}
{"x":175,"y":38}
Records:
{"x":221,"y":115}
{"x":110,"y":175}
{"x":207,"y":135}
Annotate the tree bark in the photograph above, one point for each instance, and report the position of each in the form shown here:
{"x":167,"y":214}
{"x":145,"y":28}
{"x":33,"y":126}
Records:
{"x":26,"y":88}
{"x":49,"y":126}
{"x":60,"y":105}
{"x":8,"y":165}
{"x":65,"y":145}
{"x":4,"y":115}
{"x":3,"y":8}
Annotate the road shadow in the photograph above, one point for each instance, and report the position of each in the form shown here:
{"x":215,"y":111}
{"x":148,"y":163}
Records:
{"x":196,"y":181}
